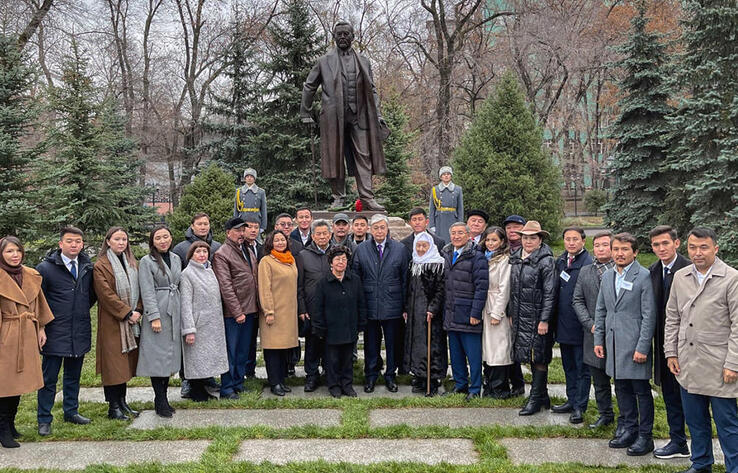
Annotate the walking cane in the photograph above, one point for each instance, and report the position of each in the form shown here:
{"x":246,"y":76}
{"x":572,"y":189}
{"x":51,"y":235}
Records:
{"x":427,"y":363}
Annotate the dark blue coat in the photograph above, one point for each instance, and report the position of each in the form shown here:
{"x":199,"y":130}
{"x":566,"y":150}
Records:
{"x":70,"y":333}
{"x":568,"y":327}
{"x":383,"y":281}
{"x":467,"y":282}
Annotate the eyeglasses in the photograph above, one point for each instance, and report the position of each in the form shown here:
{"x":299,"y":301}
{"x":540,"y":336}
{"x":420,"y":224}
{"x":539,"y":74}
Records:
{"x":285,"y":224}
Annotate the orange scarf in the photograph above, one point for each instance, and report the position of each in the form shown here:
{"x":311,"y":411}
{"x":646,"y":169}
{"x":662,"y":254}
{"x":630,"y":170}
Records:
{"x":283,"y":257}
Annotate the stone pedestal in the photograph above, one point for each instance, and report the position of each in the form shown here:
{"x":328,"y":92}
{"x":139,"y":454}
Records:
{"x":397,"y":226}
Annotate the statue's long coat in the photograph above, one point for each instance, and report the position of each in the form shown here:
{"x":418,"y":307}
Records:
{"x":327,"y":73}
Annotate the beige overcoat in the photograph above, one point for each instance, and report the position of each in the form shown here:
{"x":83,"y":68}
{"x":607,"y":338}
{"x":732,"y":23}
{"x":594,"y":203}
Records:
{"x":278,"y":297}
{"x":24,"y":311}
{"x":497,"y":339}
{"x":702,"y":329}
{"x":114,"y":366}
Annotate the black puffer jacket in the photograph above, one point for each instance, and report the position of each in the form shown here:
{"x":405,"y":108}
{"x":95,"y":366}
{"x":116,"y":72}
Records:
{"x":532,"y":300}
{"x":183,"y":247}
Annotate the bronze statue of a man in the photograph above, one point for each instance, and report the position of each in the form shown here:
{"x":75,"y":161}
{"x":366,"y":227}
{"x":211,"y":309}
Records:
{"x":350,"y":121}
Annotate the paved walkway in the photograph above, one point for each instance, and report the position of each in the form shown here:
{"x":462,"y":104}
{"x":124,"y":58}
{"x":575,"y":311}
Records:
{"x":463,"y":417}
{"x":275,"y":418}
{"x":592,"y":452}
{"x":360,"y":451}
{"x":78,"y":455}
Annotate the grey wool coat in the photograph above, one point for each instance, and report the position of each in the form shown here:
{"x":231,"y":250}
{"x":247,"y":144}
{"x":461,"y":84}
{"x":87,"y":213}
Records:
{"x":159,"y":354}
{"x":626,"y":323}
{"x":584,"y":303}
{"x":202,"y":314}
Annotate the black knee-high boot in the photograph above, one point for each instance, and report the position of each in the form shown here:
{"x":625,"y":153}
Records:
{"x":538,"y":398}
{"x":122,"y":388}
{"x":7,"y":417}
{"x":160,"y":397}
{"x":115,"y":410}
{"x":14,"y":411}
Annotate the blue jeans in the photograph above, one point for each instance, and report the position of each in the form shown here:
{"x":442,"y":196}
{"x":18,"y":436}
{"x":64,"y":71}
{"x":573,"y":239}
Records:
{"x":50,"y":365}
{"x":466,"y":347}
{"x":239,"y":338}
{"x":373,"y":346}
{"x":577,"y":375}
{"x":697,"y":413}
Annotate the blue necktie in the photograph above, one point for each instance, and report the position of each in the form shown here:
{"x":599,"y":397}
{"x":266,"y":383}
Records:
{"x":73,"y":270}
{"x":456,"y":255}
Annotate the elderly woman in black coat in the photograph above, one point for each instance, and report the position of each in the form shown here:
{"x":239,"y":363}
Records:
{"x":531,"y":307}
{"x":339,"y":317}
{"x":424,"y":306}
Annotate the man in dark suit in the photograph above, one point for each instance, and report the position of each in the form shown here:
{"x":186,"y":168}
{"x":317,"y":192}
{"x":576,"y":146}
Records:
{"x":419,"y":222}
{"x":664,"y":242}
{"x":301,"y":237}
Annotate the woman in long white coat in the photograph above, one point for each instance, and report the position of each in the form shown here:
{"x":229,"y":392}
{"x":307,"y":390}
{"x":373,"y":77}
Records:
{"x":497,"y":333}
{"x":204,"y":351}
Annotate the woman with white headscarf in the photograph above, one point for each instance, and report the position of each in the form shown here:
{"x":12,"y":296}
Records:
{"x":423,"y":306}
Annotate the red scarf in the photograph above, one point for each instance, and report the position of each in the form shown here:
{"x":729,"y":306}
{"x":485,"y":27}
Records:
{"x":283,"y":256}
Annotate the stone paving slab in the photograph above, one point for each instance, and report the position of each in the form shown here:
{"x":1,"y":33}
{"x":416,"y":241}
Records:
{"x":593,"y":452}
{"x":276,"y":418}
{"x":463,"y":417}
{"x":79,"y":455}
{"x":403,"y":391}
{"x":359,"y":451}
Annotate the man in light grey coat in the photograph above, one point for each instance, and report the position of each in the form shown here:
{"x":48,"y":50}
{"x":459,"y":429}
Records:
{"x":584,"y":302}
{"x":701,"y":348}
{"x":625,"y":320}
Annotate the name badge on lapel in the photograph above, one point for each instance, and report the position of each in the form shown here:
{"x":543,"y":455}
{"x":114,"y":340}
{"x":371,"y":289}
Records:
{"x":627,"y":285}
{"x":565,"y":276}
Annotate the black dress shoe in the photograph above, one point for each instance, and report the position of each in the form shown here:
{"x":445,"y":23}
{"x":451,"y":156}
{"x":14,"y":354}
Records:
{"x":696,"y":470}
{"x":291,"y":370}
{"x":576,"y":416}
{"x":311,"y":385}
{"x":391,"y":385}
{"x":286,"y":388}
{"x":77,"y":419}
{"x":642,"y":446}
{"x":672,"y":450}
{"x":601,"y":422}
{"x":349,"y":392}
{"x":623,"y":441}
{"x":277,"y":390}
{"x":44,"y":429}
{"x":562,"y":408}
{"x":335,"y":392}
{"x":232,"y":396}
{"x":369,"y":386}
{"x":471,"y":396}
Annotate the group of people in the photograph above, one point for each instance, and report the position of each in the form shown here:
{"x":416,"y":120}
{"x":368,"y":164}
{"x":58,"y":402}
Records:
{"x":493,"y":298}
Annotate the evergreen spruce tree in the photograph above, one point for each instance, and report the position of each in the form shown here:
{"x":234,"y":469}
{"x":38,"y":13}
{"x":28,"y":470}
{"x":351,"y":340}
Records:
{"x":89,"y":174}
{"x":211,"y":191}
{"x":641,"y":183}
{"x":279,"y":145}
{"x":706,"y":122}
{"x":396,"y":189}
{"x":229,"y":123}
{"x":17,"y":115}
{"x":502,"y":165}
